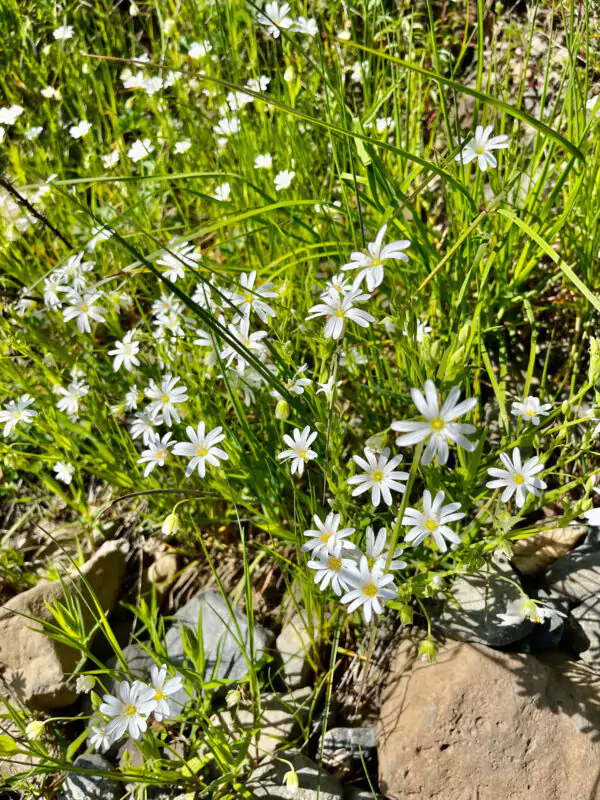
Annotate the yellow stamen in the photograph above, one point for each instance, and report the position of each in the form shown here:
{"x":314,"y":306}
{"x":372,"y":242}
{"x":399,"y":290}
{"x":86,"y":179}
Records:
{"x":129,"y":711}
{"x":370,"y":590}
{"x":335,"y":564}
{"x":431,"y":524}
{"x":438,"y":424}
{"x":340,"y":313}
{"x":165,"y":398}
{"x":377,"y":476}
{"x":518,"y":478}
{"x":201,"y":450}
{"x":326,"y":537}
{"x":302,"y":455}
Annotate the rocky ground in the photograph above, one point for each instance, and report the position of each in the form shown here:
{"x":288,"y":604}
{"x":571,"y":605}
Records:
{"x":482,"y":721}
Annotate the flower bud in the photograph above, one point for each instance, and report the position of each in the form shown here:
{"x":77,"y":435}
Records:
{"x":85,"y":684}
{"x":291,"y":781}
{"x":171,"y":524}
{"x":406,"y":614}
{"x":288,"y":75}
{"x":594,"y":368}
{"x":282,"y":410}
{"x":427,"y":650}
{"x":232,"y":698}
{"x":34,"y":730}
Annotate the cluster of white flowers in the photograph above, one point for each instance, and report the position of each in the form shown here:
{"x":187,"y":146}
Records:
{"x":128,"y":712}
{"x":275,"y":17}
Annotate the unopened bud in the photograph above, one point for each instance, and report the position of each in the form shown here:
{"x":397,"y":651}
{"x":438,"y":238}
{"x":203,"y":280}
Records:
{"x":427,"y":651}
{"x":291,"y":781}
{"x":406,"y":614}
{"x":233,"y":698}
{"x":282,"y":410}
{"x":34,"y":730}
{"x":288,"y":75}
{"x":171,"y":524}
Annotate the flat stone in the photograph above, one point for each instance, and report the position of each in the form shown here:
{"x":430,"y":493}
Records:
{"x":535,"y":553}
{"x":489,"y":724}
{"x":296,"y":648}
{"x":282,"y":716}
{"x":587,"y":617}
{"x":314,"y":783}
{"x":222,"y":635}
{"x":35,"y":667}
{"x":576,"y":576}
{"x":78,"y":786}
{"x":345,"y":749}
{"x":480,"y":599}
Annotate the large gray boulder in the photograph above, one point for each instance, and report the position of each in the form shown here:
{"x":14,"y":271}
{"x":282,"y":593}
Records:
{"x":81,"y":786}
{"x":225,"y":636}
{"x":479,"y":599}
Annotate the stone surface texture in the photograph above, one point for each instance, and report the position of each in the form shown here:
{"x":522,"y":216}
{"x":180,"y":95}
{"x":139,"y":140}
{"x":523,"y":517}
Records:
{"x":480,"y":723}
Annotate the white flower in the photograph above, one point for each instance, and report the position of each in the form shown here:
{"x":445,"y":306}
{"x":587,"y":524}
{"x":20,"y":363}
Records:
{"x":380,"y":476}
{"x":165,"y":688}
{"x":100,"y":233}
{"x":339,"y":283}
{"x":156,"y":453}
{"x":63,"y":33}
{"x":263,"y":162}
{"x":370,"y":588}
{"x":527,"y":609}
{"x":17,"y":411}
{"x":182,"y":146}
{"x":180,"y":256}
{"x":284,"y":179}
{"x":377,"y":552}
{"x":8,"y":116}
{"x":98,"y":737}
{"x":69,"y":402}
{"x":383,"y":124}
{"x":132,"y":398}
{"x":140,"y":149}
{"x":83,"y":309}
{"x":299,"y":449}
{"x":50,"y":93}
{"x":480,"y":147}
{"x":222,"y":192}
{"x":260,"y":84}
{"x":33,"y":133}
{"x":199,"y":49}
{"x":517,"y":478}
{"x":82,"y":128}
{"x":433,"y":521}
{"x":423,"y":330}
{"x":593,"y":106}
{"x":165,"y":397}
{"x":331,"y":568}
{"x":337,"y":309}
{"x":440,"y":424}
{"x":227,"y":126}
{"x":129,"y":711}
{"x":371,"y":262}
{"x":201,"y":449}
{"x":306,"y":26}
{"x":275,"y":16}
{"x":297,"y":384}
{"x":64,"y":471}
{"x":125,"y":353}
{"x":531,"y":409}
{"x":327,"y":388}
{"x":143,"y":425}
{"x":74,"y":270}
{"x":111,"y":159}
{"x":251,"y":341}
{"x":250,"y":298}
{"x":327,"y":538}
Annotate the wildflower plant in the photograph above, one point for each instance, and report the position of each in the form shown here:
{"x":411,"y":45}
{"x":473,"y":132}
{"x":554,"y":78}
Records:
{"x":261,"y":285}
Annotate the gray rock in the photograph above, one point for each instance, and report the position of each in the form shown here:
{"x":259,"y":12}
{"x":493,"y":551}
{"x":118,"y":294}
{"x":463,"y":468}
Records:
{"x":280,"y":720}
{"x":343,"y":748}
{"x":222,"y":635}
{"x":480,"y":599}
{"x":78,"y":786}
{"x":295,"y":646}
{"x":587,"y":619}
{"x":351,"y":793}
{"x":576,"y":577}
{"x":314,"y":784}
